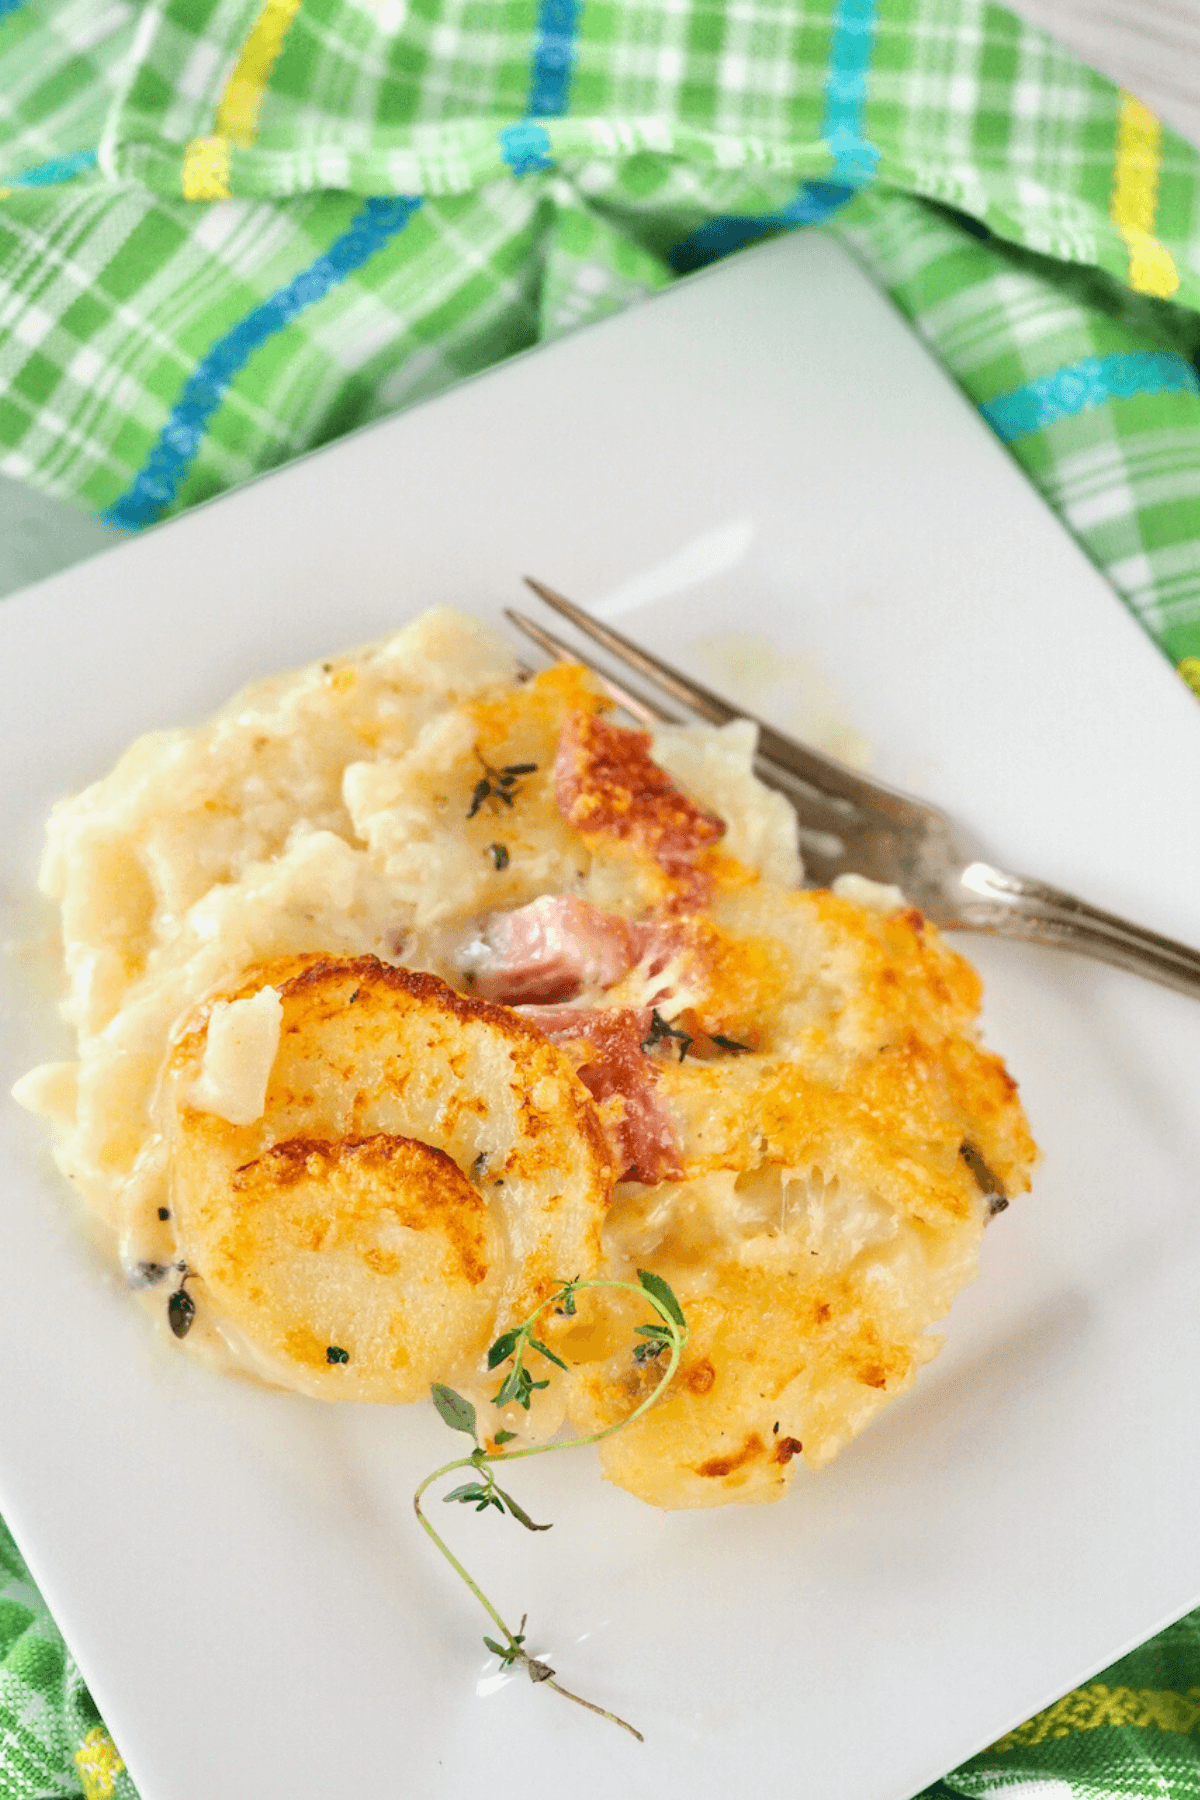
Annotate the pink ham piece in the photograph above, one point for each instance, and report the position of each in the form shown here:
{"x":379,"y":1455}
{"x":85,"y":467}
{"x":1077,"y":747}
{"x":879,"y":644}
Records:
{"x":614,"y":1064}
{"x":548,"y":951}
{"x":607,"y":785}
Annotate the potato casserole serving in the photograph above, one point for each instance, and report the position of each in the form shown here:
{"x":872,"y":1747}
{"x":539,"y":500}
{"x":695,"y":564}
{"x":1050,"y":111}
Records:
{"x":409,"y":987}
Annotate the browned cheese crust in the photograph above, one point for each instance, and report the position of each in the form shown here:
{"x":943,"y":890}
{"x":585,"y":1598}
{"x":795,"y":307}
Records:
{"x":831,"y":1205}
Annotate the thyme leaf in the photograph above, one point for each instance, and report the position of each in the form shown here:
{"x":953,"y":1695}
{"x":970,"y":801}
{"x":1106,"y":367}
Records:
{"x":543,"y":1350}
{"x":519,"y":1514}
{"x":517,"y":1385}
{"x":502,"y":1349}
{"x":661,"y":1293}
{"x":498,"y":784}
{"x":181,"y":1311}
{"x":660,"y":1032}
{"x":456,"y":1412}
{"x":470,"y":1490}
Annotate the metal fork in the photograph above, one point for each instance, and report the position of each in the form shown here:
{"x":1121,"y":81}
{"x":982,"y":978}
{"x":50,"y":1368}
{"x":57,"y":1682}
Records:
{"x":851,"y":825}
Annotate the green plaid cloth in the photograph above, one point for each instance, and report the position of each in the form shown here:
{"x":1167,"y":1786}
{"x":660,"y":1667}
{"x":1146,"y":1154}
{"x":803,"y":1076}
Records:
{"x":232,"y":229}
{"x":52,"y":1740}
{"x":420,"y":188}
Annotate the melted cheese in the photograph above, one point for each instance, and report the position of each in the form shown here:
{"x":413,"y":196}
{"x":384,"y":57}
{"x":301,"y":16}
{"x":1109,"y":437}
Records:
{"x":239,"y":1049}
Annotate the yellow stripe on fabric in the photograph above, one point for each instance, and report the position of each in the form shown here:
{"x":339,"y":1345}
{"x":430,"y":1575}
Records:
{"x":206,"y":160}
{"x":206,"y":169}
{"x":99,"y":1763}
{"x":1189,"y":668}
{"x":1088,"y":1708}
{"x":241,"y":103}
{"x":1134,"y":205}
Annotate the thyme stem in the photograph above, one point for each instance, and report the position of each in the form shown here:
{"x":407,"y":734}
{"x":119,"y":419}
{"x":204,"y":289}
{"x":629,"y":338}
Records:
{"x":464,"y":1462}
{"x":672,"y":1333}
{"x":592,"y":1707}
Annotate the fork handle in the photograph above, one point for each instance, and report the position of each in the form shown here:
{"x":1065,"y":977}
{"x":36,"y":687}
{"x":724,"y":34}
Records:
{"x":1016,"y":906}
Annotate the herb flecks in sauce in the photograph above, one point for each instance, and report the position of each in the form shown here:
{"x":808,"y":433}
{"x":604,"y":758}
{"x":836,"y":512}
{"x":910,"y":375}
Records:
{"x":148,"y":1274}
{"x":499,"y":784}
{"x":985,"y":1179}
{"x":181,"y":1312}
{"x":181,"y":1308}
{"x":661,"y":1032}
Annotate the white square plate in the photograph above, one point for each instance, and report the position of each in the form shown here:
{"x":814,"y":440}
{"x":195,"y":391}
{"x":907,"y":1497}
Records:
{"x":764,"y":449}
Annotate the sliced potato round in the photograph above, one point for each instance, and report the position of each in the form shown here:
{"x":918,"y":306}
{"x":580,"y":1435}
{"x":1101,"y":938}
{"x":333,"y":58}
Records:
{"x":363,"y":1264}
{"x":425,"y":1168}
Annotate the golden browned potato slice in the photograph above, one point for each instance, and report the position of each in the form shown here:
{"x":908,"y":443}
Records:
{"x":423,"y":1169}
{"x":364,"y":1261}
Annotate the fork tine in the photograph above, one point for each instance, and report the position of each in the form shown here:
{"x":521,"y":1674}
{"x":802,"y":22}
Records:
{"x":833,"y":781}
{"x":710,"y":705}
{"x":639,"y":706}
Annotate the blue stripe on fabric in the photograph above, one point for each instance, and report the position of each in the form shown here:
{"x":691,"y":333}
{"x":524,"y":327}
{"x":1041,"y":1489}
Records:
{"x":526,"y":148}
{"x":815,"y":201}
{"x":162,"y":474}
{"x":553,"y":58}
{"x":855,"y":161}
{"x":47,"y":174}
{"x":10,"y":6}
{"x":1080,"y":386}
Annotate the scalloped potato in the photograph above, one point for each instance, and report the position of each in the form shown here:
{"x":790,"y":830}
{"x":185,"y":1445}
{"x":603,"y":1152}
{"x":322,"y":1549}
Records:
{"x":407,"y":988}
{"x":343,"y":1214}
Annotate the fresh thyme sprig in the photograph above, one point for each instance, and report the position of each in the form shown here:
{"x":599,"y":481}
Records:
{"x":667,"y":1334}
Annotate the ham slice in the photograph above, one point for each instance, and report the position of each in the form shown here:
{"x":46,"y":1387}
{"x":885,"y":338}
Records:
{"x":614,"y":1065}
{"x":607,"y":784}
{"x":548,"y":951}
